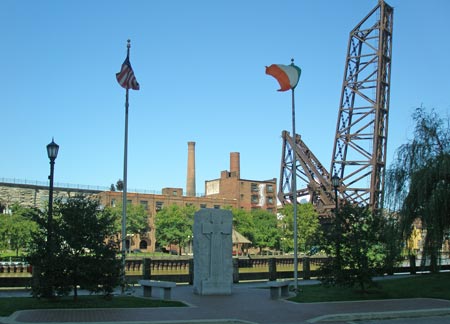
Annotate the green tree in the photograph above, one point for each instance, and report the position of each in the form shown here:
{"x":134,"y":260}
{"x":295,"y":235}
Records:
{"x":362,"y":251}
{"x":243,"y":222}
{"x":392,"y":239}
{"x":174,"y":225}
{"x":266,"y":231}
{"x":82,"y":252}
{"x":418,"y":182}
{"x":16,"y":228}
{"x":137,"y":218}
{"x":308,"y":227}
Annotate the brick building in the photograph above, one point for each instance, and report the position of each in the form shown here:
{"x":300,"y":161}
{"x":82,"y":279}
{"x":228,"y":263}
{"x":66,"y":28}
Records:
{"x":228,"y":191}
{"x":153,"y":203}
{"x":250,"y":194}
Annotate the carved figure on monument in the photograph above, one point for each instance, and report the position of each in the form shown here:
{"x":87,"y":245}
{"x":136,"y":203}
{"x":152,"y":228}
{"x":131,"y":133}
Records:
{"x":213,"y":264}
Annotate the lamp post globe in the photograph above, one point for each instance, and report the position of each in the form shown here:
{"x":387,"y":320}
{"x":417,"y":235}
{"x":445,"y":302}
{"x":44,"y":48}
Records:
{"x":52,"y":150}
{"x":335,"y":181}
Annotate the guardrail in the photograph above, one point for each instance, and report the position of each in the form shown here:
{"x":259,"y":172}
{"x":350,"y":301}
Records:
{"x":181,"y":270}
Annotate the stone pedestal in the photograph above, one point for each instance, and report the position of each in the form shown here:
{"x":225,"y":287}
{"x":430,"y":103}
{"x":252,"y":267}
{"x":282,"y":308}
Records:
{"x":213,"y":262}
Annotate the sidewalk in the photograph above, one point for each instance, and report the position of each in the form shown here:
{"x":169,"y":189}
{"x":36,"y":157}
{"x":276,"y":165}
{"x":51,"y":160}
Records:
{"x":248,"y":303}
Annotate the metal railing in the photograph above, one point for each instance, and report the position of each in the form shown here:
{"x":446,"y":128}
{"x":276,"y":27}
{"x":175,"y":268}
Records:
{"x":69,"y":185}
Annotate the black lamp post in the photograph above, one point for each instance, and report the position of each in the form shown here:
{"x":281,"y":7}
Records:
{"x":52,"y":151}
{"x":336,"y":182}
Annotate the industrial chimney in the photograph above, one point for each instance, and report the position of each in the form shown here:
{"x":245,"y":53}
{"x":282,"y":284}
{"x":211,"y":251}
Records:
{"x":190,"y":183}
{"x":235,"y":167}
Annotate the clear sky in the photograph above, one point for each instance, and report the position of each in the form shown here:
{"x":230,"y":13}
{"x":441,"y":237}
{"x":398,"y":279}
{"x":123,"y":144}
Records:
{"x":201,"y":68}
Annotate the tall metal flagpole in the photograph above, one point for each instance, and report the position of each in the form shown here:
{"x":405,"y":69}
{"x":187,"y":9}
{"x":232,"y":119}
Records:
{"x":288,"y":77}
{"x":294,"y":193}
{"x":124,"y":196}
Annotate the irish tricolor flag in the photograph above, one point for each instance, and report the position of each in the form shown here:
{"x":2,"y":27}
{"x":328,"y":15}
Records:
{"x":286,"y":75}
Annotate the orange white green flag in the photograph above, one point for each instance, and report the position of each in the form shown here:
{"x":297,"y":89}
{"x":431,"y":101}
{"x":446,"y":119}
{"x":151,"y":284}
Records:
{"x":286,"y":75}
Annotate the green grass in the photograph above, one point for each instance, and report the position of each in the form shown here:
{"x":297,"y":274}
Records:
{"x":420,"y":286}
{"x":11,"y":305}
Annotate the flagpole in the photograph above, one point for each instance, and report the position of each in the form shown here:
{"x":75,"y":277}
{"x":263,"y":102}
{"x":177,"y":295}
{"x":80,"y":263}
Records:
{"x":288,"y":77}
{"x":124,"y":195}
{"x":294,"y":192}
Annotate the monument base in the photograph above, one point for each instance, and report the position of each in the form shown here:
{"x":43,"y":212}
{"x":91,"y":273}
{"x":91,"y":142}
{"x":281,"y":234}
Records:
{"x":214,"y":288}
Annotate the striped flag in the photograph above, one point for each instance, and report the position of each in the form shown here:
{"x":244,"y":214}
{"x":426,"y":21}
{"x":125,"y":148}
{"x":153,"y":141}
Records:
{"x":286,"y":75}
{"x":126,"y":76}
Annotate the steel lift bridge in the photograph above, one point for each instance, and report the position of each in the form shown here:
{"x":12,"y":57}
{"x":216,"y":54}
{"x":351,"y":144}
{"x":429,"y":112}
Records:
{"x":359,"y":152}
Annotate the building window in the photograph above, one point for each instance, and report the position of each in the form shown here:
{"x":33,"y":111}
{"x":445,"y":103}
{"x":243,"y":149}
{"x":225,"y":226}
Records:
{"x":255,"y":199}
{"x":144,"y":203}
{"x":269,"y":188}
{"x":202,"y":205}
{"x":174,"y":193}
{"x":159,"y":205}
{"x":270,"y":200}
{"x":216,"y":206}
{"x":270,"y":210}
{"x":113,"y":202}
{"x":129,"y":202}
{"x":254,"y":187}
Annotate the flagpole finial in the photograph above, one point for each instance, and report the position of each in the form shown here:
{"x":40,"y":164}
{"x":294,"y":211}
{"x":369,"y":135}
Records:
{"x":128,"y":43}
{"x":292,"y":61}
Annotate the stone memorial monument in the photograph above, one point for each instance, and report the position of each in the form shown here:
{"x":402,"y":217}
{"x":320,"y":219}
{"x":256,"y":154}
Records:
{"x":213,"y":264}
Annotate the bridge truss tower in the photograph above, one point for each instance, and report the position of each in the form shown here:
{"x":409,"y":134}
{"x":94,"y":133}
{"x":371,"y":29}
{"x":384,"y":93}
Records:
{"x":359,"y":153}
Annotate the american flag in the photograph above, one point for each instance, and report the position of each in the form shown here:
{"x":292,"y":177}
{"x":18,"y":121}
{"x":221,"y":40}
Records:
{"x":126,"y":76}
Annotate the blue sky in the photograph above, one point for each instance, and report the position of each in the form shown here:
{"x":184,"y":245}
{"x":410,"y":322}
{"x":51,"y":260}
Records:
{"x":201,"y":67}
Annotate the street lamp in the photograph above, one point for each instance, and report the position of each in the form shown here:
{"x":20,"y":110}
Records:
{"x":336,"y":182}
{"x":52,"y":152}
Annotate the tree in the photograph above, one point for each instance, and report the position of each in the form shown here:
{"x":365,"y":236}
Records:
{"x":308,"y":227}
{"x":82,"y":252}
{"x":362,"y":251}
{"x":174,"y":225}
{"x":243,"y":222}
{"x":266,"y":231}
{"x":418,"y":183}
{"x":137,"y":218}
{"x":16,"y":228}
{"x":392,"y":239}
{"x":119,"y":185}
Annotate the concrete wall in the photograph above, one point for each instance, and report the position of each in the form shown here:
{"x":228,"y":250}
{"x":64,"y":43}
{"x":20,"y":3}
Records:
{"x":28,"y":195}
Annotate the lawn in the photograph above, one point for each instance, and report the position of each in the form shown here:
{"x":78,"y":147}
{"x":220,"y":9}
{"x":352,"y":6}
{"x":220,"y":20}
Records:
{"x":10,"y":305}
{"x":420,"y":286}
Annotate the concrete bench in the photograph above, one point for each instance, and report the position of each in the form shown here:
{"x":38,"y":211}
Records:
{"x":278,"y":289}
{"x":164,"y":287}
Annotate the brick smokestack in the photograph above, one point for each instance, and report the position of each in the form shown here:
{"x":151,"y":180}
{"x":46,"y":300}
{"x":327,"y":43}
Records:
{"x":190,"y":183}
{"x":235,"y":167}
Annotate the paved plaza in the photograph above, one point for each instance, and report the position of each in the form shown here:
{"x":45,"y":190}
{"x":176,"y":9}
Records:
{"x":249,"y":303}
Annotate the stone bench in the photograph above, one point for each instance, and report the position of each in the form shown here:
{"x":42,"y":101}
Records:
{"x":164,"y":287}
{"x":278,"y":289}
